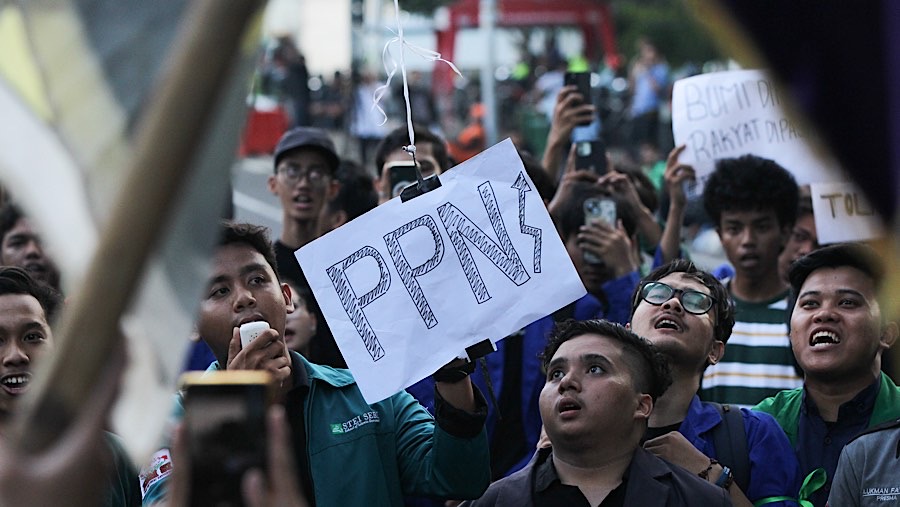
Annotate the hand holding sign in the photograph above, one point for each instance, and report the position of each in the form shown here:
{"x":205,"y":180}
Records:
{"x":408,"y":286}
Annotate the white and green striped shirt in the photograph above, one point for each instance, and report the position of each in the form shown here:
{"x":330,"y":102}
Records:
{"x":758,"y":360}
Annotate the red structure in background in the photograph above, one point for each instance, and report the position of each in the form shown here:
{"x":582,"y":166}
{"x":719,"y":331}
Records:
{"x":593,"y":17}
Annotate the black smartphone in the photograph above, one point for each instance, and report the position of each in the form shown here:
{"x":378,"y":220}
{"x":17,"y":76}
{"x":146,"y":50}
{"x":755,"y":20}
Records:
{"x":225,"y":424}
{"x":582,"y":81}
{"x":402,"y":174}
{"x":591,"y":155}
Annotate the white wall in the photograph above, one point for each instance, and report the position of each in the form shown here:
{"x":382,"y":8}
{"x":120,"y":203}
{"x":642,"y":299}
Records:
{"x":320,"y":27}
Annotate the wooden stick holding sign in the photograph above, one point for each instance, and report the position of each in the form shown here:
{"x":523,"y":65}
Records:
{"x":168,"y":138}
{"x":410,"y":285}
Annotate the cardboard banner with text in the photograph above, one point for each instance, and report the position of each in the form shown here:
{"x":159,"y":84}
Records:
{"x":410,"y":285}
{"x":733,"y":113}
{"x":843,"y":214}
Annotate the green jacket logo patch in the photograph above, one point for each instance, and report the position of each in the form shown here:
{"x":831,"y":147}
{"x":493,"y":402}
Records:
{"x":356,"y":422}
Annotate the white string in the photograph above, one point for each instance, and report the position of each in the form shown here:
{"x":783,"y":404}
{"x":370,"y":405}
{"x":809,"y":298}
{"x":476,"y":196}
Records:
{"x":386,"y":55}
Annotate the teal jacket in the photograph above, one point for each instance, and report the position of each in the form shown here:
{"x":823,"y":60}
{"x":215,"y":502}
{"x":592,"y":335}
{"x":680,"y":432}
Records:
{"x":361,"y":454}
{"x":785,"y":407}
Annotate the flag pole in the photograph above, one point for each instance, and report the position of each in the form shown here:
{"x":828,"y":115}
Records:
{"x":168,"y":137}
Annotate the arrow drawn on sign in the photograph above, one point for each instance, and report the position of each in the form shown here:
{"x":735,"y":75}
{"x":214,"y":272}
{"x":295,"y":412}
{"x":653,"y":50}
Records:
{"x":522,"y":186}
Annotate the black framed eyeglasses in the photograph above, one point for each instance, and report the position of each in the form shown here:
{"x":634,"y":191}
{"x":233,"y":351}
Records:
{"x":657,"y":293}
{"x":292,"y":173}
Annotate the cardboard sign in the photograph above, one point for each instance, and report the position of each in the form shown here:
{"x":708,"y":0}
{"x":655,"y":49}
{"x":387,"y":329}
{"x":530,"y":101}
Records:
{"x":729,"y":114}
{"x":843,"y":214}
{"x":408,"y":286}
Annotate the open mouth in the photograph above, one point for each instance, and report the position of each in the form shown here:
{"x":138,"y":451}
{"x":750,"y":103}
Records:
{"x":824,"y":337}
{"x":16,"y":383}
{"x":667,"y":324}
{"x":568,"y":406}
{"x":303,"y":200}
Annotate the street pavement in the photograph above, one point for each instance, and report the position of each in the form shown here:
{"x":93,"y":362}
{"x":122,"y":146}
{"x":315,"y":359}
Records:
{"x":252,"y":200}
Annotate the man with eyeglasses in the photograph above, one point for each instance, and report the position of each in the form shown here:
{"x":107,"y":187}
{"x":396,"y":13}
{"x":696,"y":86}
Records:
{"x":687,"y":315}
{"x":304,"y":182}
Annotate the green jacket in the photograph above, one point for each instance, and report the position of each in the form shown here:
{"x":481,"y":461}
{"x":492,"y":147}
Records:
{"x":785,"y":407}
{"x":353,"y":462}
{"x":361,"y":454}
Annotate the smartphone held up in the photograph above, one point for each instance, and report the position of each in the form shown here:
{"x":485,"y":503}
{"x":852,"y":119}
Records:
{"x":225,"y":427}
{"x":582,"y":82}
{"x":591,"y":156}
{"x":598,"y":209}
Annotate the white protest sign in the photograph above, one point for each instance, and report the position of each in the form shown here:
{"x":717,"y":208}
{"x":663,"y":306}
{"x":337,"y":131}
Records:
{"x":733,"y":113}
{"x":843,"y":214}
{"x":408,"y":286}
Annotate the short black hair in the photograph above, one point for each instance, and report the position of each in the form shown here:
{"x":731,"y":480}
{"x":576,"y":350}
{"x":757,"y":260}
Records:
{"x":854,"y":255}
{"x":15,"y":280}
{"x":650,"y":369}
{"x":723,"y":305}
{"x":399,"y":137}
{"x":255,"y":236}
{"x":9,"y":216}
{"x":571,"y":211}
{"x":357,"y":194}
{"x":751,"y":183}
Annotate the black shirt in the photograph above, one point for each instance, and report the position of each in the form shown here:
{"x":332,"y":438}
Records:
{"x":819,"y":443}
{"x":549,"y":491}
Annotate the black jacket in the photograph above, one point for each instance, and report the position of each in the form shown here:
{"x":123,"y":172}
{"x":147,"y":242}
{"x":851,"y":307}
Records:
{"x":651,"y":482}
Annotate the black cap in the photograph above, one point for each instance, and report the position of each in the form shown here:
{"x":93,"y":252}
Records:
{"x":307,"y":137}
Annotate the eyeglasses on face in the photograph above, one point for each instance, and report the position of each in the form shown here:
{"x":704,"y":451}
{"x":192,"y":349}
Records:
{"x":657,"y":293}
{"x":294,"y":173}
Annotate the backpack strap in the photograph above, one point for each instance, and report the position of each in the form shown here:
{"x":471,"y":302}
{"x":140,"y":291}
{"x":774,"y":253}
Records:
{"x":730,"y":441}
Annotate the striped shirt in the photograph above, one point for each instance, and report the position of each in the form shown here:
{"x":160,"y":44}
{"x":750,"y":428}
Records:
{"x":758,"y":360}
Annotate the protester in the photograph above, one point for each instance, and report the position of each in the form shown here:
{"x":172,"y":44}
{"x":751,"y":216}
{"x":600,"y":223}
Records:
{"x":838,"y":334}
{"x":605,"y":255}
{"x":472,"y":139}
{"x":803,"y":238}
{"x":301,"y":323}
{"x":431,"y":155}
{"x":304,"y":182}
{"x":753,"y":203}
{"x":367,"y":124}
{"x":86,"y":463}
{"x":21,"y":245}
{"x":687,"y":315}
{"x":601,"y":385}
{"x":868,"y":469}
{"x":421,"y":102}
{"x":294,"y":83}
{"x":445,"y":456}
{"x":356,"y":197}
{"x":649,"y":80}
